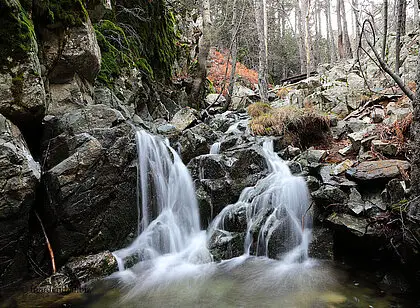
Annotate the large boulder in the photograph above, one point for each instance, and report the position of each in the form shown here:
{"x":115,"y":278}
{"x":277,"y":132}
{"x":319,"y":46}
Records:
{"x":184,"y":118}
{"x":19,"y":177}
{"x":90,"y":181}
{"x":71,"y":66}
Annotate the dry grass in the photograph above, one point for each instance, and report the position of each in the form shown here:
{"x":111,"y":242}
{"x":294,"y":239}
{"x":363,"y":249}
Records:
{"x":299,"y":126}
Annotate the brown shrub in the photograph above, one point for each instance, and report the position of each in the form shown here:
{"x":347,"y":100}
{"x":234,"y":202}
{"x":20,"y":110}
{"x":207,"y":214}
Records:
{"x":299,"y":126}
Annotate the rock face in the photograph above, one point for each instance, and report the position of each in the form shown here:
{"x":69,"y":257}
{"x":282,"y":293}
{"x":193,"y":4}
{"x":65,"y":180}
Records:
{"x":19,"y":177}
{"x":22,"y":94}
{"x":378,"y":170}
{"x":72,"y":67}
{"x":90,"y":180}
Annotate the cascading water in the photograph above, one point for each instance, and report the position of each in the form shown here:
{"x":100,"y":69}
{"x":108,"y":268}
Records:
{"x":215,"y":148}
{"x":169,"y":212}
{"x":173,"y":265}
{"x":278,"y":204}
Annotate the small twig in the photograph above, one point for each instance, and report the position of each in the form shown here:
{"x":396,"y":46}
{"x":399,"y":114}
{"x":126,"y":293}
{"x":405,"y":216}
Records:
{"x":48,"y":243}
{"x":304,"y":215}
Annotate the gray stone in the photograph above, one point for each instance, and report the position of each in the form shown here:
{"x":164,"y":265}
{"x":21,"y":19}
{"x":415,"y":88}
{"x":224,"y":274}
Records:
{"x":184,"y":118}
{"x":211,"y":99}
{"x":196,"y":141}
{"x":355,"y":225}
{"x":167,"y":129}
{"x":342,"y":167}
{"x":79,"y":272}
{"x":378,"y":170}
{"x":241,"y":97}
{"x":19,"y":177}
{"x":377,"y":115}
{"x":90,"y":177}
{"x":312,"y":183}
{"x":327,"y":195}
{"x":346,"y":151}
{"x":357,"y":137}
{"x":355,"y":203}
{"x":385,"y":148}
{"x":293,"y":151}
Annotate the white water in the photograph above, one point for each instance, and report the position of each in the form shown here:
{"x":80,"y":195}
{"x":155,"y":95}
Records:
{"x":215,"y":148}
{"x":170,"y":218}
{"x":172,"y":250}
{"x":284,"y":199}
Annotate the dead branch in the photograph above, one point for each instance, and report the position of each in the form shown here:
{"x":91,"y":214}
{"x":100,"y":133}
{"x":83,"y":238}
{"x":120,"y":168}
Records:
{"x":381,"y":63}
{"x":48,"y":243}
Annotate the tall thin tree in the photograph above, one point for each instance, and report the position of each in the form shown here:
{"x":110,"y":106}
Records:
{"x":262,"y":57}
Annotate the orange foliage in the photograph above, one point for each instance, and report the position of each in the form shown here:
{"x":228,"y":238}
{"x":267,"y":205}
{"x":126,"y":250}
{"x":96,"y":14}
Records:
{"x":217,"y":71}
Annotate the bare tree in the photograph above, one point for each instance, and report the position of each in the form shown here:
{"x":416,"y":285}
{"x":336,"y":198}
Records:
{"x":347,"y":44}
{"x":197,"y":93}
{"x":330,"y":34}
{"x":340,"y":39}
{"x":307,"y":9}
{"x":301,"y":35}
{"x":400,"y":33}
{"x":262,"y":59}
{"x":385,"y":30}
{"x":355,"y":6}
{"x":234,"y":51}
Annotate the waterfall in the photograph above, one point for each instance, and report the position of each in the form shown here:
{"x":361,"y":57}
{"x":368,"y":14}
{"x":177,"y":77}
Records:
{"x":277,"y":205}
{"x":215,"y":148}
{"x":169,"y":221}
{"x":169,"y":218}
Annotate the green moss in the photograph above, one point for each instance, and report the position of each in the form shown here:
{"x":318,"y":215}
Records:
{"x":17,"y":35}
{"x":17,"y":87}
{"x":66,"y":12}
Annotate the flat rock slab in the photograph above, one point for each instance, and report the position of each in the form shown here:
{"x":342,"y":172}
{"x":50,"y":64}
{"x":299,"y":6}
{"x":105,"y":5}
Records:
{"x":378,"y":170}
{"x":355,"y":225}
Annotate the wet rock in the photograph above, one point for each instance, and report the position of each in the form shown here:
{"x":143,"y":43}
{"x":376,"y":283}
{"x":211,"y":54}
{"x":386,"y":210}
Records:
{"x":312,"y":183}
{"x":329,"y":195}
{"x":322,"y":244}
{"x":196,"y":141}
{"x":220,"y":179}
{"x":295,"y":167}
{"x":225,"y":245}
{"x":19,"y":177}
{"x":80,"y":271}
{"x":314,"y":156}
{"x":184,"y":118}
{"x":235,"y":220}
{"x":385,"y":148}
{"x":293,"y":151}
{"x":378,"y":170}
{"x":355,"y":225}
{"x":90,"y":178}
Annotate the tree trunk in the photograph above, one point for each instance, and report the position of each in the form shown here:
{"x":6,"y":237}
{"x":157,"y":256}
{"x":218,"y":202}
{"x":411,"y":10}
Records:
{"x":234,"y":51}
{"x":198,"y":87}
{"x":400,"y":32}
{"x":385,"y":29}
{"x":262,"y":59}
{"x":347,"y":44}
{"x":330,"y":33}
{"x":340,"y":45}
{"x":307,"y":37}
{"x":416,"y":14}
{"x":301,"y":36}
{"x":355,"y":4}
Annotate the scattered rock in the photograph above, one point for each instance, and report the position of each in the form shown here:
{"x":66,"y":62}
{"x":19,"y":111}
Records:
{"x":385,"y":148}
{"x":377,"y":114}
{"x":342,"y":167}
{"x":346,"y":151}
{"x":378,"y":170}
{"x":211,"y":99}
{"x":355,"y":203}
{"x":357,"y":226}
{"x":185,"y":118}
{"x":327,"y":195}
